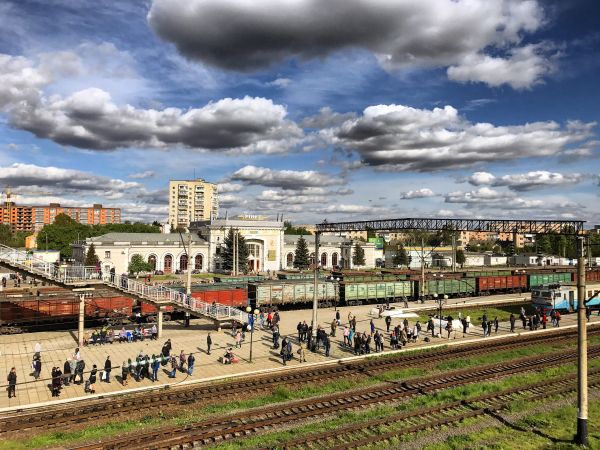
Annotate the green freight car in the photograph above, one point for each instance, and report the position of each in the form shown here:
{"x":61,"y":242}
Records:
{"x":295,"y":276}
{"x":281,"y":293}
{"x":240,"y":279}
{"x":373,"y":292}
{"x":452,"y":288}
{"x":368,"y":278}
{"x":539,"y":279}
{"x":488,"y":273}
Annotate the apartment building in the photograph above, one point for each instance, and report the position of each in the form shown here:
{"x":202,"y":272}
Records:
{"x":193,"y":200}
{"x":33,"y":218}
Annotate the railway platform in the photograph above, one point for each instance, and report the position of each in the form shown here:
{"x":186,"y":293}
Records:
{"x":57,"y":346}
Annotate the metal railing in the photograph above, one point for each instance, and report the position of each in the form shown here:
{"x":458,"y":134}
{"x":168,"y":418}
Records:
{"x":76,"y":274}
{"x":162,"y":294}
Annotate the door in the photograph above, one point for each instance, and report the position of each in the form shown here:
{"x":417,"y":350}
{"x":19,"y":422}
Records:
{"x":571,"y":301}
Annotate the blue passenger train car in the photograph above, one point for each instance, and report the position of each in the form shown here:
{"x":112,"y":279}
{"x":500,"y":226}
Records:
{"x":563,"y":297}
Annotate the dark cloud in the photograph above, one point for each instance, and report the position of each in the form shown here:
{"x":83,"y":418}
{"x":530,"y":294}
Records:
{"x":423,"y":33}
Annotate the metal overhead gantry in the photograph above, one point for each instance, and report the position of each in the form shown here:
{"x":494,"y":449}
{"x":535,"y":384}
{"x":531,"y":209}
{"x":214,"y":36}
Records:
{"x":560,"y":227}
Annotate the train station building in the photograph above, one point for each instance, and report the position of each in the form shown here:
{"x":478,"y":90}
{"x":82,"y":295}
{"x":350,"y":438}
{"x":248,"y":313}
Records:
{"x":268,"y":247}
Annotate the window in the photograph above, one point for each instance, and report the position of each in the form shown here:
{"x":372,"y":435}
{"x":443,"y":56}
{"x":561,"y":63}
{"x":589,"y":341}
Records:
{"x":334,"y":259}
{"x":323,"y":259}
{"x":290,"y":259}
{"x":254,"y":250}
{"x":168,"y":265}
{"x":152,"y":261}
{"x":107,"y":254}
{"x":183,"y":262}
{"x":198,"y":262}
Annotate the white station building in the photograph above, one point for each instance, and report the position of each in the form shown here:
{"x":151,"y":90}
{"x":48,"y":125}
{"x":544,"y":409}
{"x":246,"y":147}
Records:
{"x":269,"y":248}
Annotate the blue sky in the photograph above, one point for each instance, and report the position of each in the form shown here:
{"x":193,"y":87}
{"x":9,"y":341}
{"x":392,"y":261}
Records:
{"x":337,"y":110}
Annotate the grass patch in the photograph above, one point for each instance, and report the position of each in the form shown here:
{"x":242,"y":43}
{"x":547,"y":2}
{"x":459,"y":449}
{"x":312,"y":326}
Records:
{"x":282,"y":394}
{"x":476,"y":314}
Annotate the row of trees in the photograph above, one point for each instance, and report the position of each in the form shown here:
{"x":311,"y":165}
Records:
{"x":65,"y":230}
{"x":10,"y":239}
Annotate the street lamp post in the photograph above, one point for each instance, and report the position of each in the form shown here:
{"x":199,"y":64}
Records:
{"x":251,"y":319}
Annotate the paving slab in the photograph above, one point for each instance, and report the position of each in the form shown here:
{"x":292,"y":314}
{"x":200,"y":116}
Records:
{"x":57,"y":346}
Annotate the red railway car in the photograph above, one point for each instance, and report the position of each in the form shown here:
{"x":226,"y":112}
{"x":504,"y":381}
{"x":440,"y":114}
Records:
{"x":510,"y":283}
{"x":229,"y":297}
{"x":148,"y":309}
{"x":40,"y":310}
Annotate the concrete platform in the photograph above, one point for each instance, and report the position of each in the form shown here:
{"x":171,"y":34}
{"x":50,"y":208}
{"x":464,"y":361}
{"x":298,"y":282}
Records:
{"x":17,"y":351}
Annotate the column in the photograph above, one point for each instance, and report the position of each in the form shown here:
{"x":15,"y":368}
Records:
{"x":80,"y":333}
{"x":159,"y":320}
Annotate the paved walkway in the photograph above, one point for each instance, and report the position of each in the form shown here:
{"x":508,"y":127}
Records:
{"x":17,"y":351}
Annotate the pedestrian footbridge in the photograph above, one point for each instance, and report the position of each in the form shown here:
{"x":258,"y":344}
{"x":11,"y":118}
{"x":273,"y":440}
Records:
{"x":82,"y":276}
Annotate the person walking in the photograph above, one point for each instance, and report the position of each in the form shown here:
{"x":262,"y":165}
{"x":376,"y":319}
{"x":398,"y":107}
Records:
{"x":107,"y":369}
{"x":388,"y":322}
{"x":372,"y":324}
{"x":12,"y":382}
{"x":333,"y":327}
{"x":484,"y":326}
{"x":512,"y":323}
{"x":496,"y":324}
{"x":37,"y":367}
{"x":208,"y":343}
{"x":346,"y":334}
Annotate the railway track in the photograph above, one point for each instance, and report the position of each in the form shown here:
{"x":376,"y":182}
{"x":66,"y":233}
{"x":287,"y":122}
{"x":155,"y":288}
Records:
{"x":219,"y":429}
{"x":87,"y":410}
{"x":371,"y":431}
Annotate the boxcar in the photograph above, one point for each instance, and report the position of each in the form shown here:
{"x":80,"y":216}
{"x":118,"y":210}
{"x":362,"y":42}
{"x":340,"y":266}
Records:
{"x":374,"y":291}
{"x":240,"y":279}
{"x":540,"y":279}
{"x":290,"y":292}
{"x":450,"y":287}
{"x":496,"y":284}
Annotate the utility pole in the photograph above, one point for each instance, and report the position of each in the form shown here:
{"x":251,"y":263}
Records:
{"x":422,"y":293}
{"x":315,"y":286}
{"x":582,"y":382}
{"x":454,"y":253}
{"x":234,"y":254}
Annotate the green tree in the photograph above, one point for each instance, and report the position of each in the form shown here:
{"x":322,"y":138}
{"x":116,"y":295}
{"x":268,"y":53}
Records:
{"x":301,"y":256}
{"x":460,"y":258}
{"x":137,"y":264}
{"x":358,"y":258}
{"x":401,"y":257}
{"x":288,"y":228}
{"x":242,"y":254}
{"x":371,"y":233}
{"x":91,"y":259}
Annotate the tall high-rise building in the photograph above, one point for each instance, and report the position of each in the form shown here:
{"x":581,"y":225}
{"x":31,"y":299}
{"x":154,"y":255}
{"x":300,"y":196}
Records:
{"x":193,"y":200}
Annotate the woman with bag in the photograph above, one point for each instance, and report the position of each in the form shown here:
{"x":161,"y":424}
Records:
{"x":92,"y":380}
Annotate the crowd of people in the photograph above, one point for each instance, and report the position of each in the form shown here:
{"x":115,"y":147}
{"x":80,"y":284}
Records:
{"x":359,"y":342}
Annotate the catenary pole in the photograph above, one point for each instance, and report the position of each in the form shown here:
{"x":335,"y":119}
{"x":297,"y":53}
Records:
{"x":315,"y":286}
{"x":582,"y":383}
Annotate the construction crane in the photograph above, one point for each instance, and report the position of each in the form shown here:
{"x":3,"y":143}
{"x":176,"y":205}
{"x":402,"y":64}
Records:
{"x":8,"y":204}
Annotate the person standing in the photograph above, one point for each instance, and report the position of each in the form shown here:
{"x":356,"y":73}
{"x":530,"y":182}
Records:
{"x":125,"y":372}
{"x":372,"y":327}
{"x":107,"y":369}
{"x":12,"y":382}
{"x":66,"y":372}
{"x":182,"y":360}
{"x":327,"y":345}
{"x":238,"y":339}
{"x":512,"y":323}
{"x":155,"y":368}
{"x":92,"y":379}
{"x":37,"y":367}
{"x":208,"y":343}
{"x":190,"y":362}
{"x":388,"y":322}
{"x":496,"y":324}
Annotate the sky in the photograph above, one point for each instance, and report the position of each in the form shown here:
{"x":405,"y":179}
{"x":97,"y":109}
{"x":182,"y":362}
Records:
{"x":333,"y":110}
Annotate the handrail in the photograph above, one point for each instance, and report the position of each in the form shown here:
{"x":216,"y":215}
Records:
{"x":160,"y":294}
